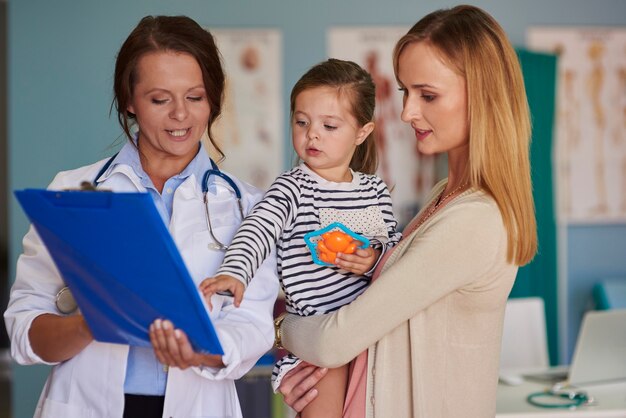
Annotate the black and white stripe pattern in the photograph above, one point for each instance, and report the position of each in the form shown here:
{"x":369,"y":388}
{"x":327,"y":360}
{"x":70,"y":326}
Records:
{"x":289,"y":210}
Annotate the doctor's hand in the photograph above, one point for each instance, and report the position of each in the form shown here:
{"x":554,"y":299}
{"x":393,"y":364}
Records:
{"x":359,"y":262}
{"x":172,"y":348}
{"x":220,"y":283}
{"x":297,"y":387}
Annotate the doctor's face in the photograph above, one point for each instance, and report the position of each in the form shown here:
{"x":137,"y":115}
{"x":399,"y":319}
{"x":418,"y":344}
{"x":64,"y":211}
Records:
{"x":170,"y":105}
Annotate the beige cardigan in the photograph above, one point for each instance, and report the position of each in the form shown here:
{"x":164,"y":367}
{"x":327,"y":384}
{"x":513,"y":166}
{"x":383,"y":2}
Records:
{"x":432,"y":321}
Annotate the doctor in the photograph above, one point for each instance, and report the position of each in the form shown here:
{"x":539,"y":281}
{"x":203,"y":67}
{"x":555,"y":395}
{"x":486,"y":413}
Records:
{"x":169,"y":85}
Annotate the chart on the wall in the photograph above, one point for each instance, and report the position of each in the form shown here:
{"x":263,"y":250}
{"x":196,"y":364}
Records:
{"x":250,"y":130}
{"x":590,"y":145}
{"x":408,"y":173}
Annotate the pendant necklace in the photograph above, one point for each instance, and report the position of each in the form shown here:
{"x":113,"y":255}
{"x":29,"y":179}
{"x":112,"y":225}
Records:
{"x":439,"y":202}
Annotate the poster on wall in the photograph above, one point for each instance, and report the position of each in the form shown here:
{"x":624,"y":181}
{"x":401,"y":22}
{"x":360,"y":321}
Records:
{"x":408,"y":173}
{"x":590,"y":134}
{"x":250,"y":130}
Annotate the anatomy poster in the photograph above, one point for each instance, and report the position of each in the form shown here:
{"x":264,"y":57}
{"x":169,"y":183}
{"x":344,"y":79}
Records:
{"x":250,"y":130}
{"x":590,"y":146}
{"x":408,"y":173}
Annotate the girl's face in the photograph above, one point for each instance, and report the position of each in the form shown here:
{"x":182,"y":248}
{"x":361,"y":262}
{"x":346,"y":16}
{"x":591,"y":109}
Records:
{"x":434,"y":102}
{"x":170,"y":105}
{"x":325,"y":133}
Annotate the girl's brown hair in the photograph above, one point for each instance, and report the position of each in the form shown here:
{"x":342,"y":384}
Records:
{"x":356,"y":83}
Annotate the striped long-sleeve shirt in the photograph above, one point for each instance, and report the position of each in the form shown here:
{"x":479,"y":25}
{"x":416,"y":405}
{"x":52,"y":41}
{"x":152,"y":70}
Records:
{"x":299,"y":201}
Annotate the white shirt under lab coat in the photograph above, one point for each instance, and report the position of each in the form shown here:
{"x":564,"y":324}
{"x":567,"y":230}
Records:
{"x":91,"y":384}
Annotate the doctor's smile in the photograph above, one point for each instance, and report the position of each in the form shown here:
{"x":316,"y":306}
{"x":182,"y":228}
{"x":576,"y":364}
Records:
{"x":179,"y":133}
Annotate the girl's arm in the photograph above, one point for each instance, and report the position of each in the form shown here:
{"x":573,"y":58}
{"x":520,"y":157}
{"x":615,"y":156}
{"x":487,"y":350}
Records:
{"x":457,"y":248}
{"x":258,"y":234}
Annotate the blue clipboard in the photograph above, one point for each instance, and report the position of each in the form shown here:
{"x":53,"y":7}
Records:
{"x":121,"y":264}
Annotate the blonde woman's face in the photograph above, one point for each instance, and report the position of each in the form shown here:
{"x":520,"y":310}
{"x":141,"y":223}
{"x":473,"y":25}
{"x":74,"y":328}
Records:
{"x":434,"y":101}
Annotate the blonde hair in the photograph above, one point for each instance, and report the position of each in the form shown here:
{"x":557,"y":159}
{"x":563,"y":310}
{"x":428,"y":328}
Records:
{"x":475,"y":46}
{"x":350,"y":79}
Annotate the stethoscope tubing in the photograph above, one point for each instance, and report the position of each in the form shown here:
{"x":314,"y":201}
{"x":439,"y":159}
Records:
{"x":216,"y":245}
{"x":215,"y":171}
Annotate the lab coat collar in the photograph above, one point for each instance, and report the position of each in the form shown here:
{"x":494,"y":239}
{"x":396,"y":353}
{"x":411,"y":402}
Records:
{"x":127,"y":159}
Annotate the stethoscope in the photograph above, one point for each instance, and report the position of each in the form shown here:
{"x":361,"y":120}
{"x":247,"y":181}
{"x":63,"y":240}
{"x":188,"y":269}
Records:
{"x":214,"y":171}
{"x":560,"y":396}
{"x":65,"y":302}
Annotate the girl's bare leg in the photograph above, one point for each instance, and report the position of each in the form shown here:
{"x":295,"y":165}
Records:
{"x":331,"y":395}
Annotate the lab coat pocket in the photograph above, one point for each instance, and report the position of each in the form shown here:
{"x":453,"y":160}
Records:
{"x":224,"y":212}
{"x":204,"y":260}
{"x":55,"y":409}
{"x":205,"y":257}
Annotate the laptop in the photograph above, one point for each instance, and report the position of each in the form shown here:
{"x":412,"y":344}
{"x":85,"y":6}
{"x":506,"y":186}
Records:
{"x":600,"y":353}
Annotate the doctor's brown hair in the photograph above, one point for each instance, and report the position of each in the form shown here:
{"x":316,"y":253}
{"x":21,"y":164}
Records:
{"x":175,"y":34}
{"x":474,"y":45}
{"x":356,"y":84}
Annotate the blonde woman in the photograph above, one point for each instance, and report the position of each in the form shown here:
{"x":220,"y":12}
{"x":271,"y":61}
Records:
{"x":432,"y":321}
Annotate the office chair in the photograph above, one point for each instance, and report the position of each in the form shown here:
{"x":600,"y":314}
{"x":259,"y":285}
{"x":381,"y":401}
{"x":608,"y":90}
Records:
{"x":524,"y":337}
{"x":610,"y":294}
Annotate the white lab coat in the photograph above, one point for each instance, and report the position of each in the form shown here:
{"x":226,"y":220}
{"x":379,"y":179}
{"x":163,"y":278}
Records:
{"x":91,"y":384}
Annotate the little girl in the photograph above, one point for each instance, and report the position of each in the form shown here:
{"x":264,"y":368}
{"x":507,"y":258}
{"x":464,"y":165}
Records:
{"x":332,"y":110}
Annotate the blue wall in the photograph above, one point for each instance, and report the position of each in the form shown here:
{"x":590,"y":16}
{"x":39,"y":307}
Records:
{"x":61,"y":56}
{"x":594,"y":253}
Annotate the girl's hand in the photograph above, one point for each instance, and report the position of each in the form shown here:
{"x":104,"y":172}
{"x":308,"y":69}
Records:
{"x":359,"y":262}
{"x":297,"y":385}
{"x":172,"y":348}
{"x":220,"y":283}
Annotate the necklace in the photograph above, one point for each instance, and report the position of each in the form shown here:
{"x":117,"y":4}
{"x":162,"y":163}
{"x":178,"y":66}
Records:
{"x":436,"y":204}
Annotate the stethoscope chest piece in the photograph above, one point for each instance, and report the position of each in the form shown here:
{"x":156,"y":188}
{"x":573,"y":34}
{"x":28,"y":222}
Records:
{"x":215,"y":246}
{"x":65,"y":302}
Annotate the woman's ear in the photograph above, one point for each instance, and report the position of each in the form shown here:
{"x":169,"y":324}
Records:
{"x":130,"y":110}
{"x":364,"y":132}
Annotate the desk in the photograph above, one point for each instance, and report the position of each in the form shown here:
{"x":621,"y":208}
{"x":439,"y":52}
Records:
{"x":610,"y":402}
